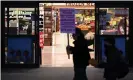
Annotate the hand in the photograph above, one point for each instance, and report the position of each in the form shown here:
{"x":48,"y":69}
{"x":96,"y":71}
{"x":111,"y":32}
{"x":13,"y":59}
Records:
{"x":68,"y":49}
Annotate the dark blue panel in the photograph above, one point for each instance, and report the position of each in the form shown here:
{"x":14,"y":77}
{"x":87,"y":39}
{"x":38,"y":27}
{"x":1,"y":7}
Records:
{"x":21,"y":44}
{"x":120,"y":44}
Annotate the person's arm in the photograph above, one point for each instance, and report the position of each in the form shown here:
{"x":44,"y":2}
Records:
{"x":70,"y":49}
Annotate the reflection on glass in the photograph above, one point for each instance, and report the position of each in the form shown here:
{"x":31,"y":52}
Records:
{"x":127,"y":23}
{"x":119,"y":43}
{"x":127,"y":38}
{"x":6,"y":50}
{"x":19,"y":51}
{"x":5,"y":20}
{"x":20,"y":21}
{"x":112,"y":21}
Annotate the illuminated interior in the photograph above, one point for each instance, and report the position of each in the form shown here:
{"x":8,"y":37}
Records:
{"x":52,"y":41}
{"x":114,"y":22}
{"x":85,"y":20}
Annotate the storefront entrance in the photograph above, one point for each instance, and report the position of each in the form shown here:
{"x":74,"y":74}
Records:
{"x":55,"y":41}
{"x":22,"y":28}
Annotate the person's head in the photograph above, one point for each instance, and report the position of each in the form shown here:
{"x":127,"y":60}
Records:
{"x":78,"y":34}
{"x":12,"y":51}
{"x":74,"y":36}
{"x":121,"y":52}
{"x":107,"y":24}
{"x":26,"y":53}
{"x":18,"y":53}
{"x":109,"y":42}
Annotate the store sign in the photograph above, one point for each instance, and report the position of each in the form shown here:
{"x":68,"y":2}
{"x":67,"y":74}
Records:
{"x":67,"y":20}
{"x":121,"y":12}
{"x":41,"y":40}
{"x":21,"y":12}
{"x":80,"y":4}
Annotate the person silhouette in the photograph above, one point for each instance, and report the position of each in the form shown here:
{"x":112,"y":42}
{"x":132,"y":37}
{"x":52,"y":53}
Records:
{"x":81,"y":55}
{"x":11,"y":56}
{"x":110,"y":53}
{"x":27,"y":59}
{"x":18,"y":56}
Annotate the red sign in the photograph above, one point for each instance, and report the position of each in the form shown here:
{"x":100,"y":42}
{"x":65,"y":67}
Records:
{"x":41,"y":40}
{"x":92,"y":23}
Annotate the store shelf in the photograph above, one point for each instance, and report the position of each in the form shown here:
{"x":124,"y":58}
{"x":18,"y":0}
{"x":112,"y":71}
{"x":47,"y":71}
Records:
{"x":47,"y":26}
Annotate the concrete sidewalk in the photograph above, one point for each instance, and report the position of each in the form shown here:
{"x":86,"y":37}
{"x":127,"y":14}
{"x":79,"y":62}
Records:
{"x":51,"y":73}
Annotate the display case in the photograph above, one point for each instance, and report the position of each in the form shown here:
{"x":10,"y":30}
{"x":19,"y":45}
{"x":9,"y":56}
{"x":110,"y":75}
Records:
{"x":20,"y":50}
{"x":47,"y":25}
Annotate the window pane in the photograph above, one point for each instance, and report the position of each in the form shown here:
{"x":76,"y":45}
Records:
{"x":5,"y":20}
{"x":112,"y":21}
{"x":119,"y":43}
{"x":20,"y":51}
{"x":20,"y":21}
{"x":85,"y":20}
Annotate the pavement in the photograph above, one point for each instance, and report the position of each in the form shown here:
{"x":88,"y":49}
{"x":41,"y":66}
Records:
{"x":53,"y":73}
{"x":55,"y":66}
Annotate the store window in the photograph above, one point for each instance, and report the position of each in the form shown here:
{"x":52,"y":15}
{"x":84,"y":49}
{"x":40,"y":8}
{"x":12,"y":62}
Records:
{"x":85,"y":19}
{"x":114,"y":21}
{"x":20,"y":21}
{"x":16,"y":54}
{"x":120,"y":44}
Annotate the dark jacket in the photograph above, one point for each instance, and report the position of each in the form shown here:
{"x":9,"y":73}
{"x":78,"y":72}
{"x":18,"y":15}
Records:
{"x":113,"y":57}
{"x":80,"y":53}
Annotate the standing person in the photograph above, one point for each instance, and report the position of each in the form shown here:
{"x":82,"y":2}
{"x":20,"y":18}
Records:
{"x":108,"y":27}
{"x":11,"y":56}
{"x":116,"y":66}
{"x":29,"y":29}
{"x":27,"y":59}
{"x":113,"y":57}
{"x":110,"y":53}
{"x":18,"y":56}
{"x":81,"y":55}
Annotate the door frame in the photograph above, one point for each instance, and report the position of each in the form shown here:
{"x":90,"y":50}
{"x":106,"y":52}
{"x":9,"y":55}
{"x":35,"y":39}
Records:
{"x":108,"y":4}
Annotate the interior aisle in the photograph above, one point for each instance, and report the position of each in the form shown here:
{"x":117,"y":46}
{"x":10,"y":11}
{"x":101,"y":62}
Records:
{"x":56,"y":56}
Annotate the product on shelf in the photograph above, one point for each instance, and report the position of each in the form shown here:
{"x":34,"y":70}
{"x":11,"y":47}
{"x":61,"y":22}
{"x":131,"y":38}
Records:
{"x":47,"y":25}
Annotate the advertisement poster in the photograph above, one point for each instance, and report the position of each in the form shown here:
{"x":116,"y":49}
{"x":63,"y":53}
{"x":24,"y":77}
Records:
{"x":19,"y":50}
{"x":67,"y":20}
{"x":121,"y":12}
{"x":119,"y":43}
{"x":41,"y":40}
